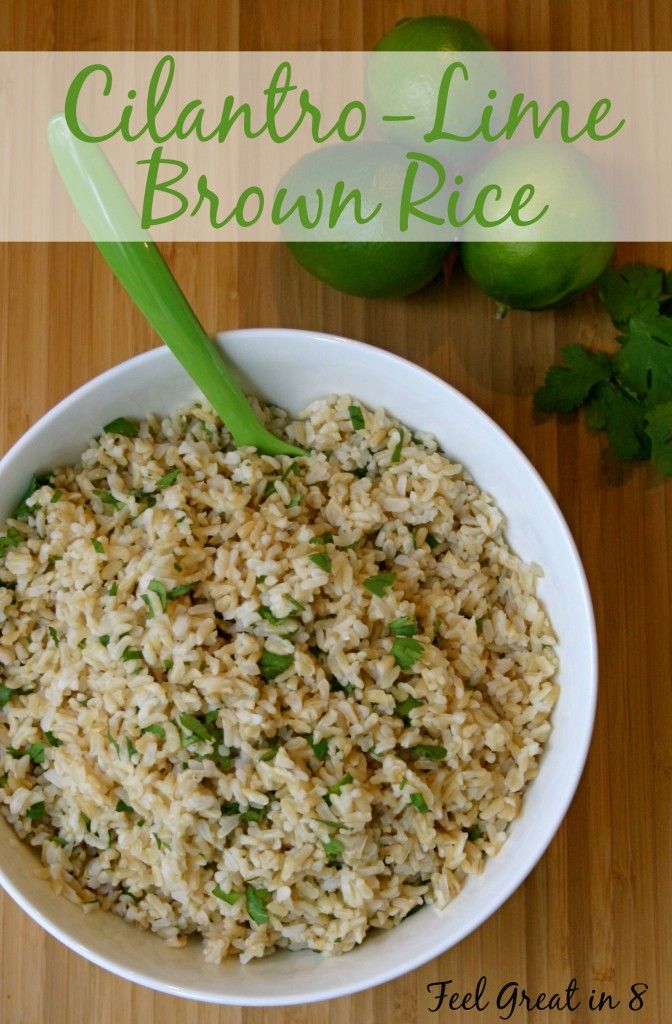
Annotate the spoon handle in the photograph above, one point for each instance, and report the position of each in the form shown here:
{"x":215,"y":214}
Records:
{"x":111,"y":219}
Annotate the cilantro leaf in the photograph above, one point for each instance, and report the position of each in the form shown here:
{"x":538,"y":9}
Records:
{"x":333,"y":848}
{"x":567,"y":387}
{"x":322,"y":561}
{"x":109,"y":499}
{"x":11,"y":540}
{"x":406,"y":651}
{"x":255,"y":901}
{"x":156,"y":730}
{"x":644,"y":363}
{"x":122,"y":426}
{"x":159,"y":588}
{"x":228,"y":897}
{"x":166,"y":481}
{"x":403,"y":626}
{"x":428,"y":752}
{"x":379,"y":584}
{"x":659,"y":430}
{"x":403,"y":708}
{"x":624,"y":419}
{"x":418,"y":801}
{"x":272,"y":665}
{"x":320,"y":747}
{"x":356,"y":417}
{"x":23,"y":509}
{"x":36,"y":811}
{"x":634,"y":290}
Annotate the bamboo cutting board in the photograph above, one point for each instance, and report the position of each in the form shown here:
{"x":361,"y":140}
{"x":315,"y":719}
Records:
{"x":597,"y":908}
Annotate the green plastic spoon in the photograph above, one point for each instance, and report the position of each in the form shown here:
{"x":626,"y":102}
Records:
{"x":108,"y":213}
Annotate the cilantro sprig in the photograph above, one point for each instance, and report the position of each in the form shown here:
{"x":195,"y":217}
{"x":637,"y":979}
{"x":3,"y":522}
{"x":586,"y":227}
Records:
{"x":628,"y":393}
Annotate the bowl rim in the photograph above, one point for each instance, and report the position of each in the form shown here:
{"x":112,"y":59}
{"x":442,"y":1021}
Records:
{"x":523,"y":866}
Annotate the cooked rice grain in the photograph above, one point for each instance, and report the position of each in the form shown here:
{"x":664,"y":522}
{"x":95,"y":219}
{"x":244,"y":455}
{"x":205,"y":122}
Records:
{"x":205,"y":725}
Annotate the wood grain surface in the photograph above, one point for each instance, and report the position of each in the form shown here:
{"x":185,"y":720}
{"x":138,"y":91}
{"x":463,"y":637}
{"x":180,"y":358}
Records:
{"x":598,"y":906}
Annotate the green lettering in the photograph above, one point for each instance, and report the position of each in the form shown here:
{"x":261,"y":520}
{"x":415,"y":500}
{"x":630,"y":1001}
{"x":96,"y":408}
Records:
{"x":598,"y":113}
{"x":300,"y":206}
{"x":339,"y":204}
{"x":72,"y":99}
{"x":152,"y":186}
{"x":408,"y":206}
{"x":437,"y":132}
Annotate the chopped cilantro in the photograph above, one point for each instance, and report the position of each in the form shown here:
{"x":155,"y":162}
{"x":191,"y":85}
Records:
{"x":418,"y":801}
{"x":269,"y":489}
{"x":475,"y":832}
{"x":432,"y":541}
{"x":56,"y":496}
{"x":403,"y":708}
{"x":356,"y":417}
{"x":228,"y":810}
{"x":428,"y":752}
{"x":406,"y":651}
{"x":333,"y":848}
{"x":396,"y":454}
{"x":269,"y":754}
{"x":324,"y":538}
{"x":292,"y":468}
{"x":167,"y":664}
{"x":254,"y":814}
{"x":36,"y":753}
{"x":296,"y":605}
{"x":160,"y":589}
{"x":36,"y":811}
{"x":167,"y":480}
{"x":112,"y":740}
{"x":403,"y":626}
{"x":98,"y":546}
{"x":114,"y":589}
{"x":131,"y":655}
{"x":109,"y":499}
{"x":124,"y":807}
{"x":333,"y":824}
{"x":379,"y":584}
{"x":228,"y":897}
{"x":180,"y":591}
{"x":23,"y":509}
{"x":192,"y":725}
{"x":104,"y":639}
{"x":54,"y":635}
{"x":156,"y":730}
{"x":52,"y":740}
{"x":255,"y":901}
{"x":322,"y":561}
{"x":272,"y":665}
{"x":12,"y":539}
{"x":345,"y":780}
{"x":295,"y":501}
{"x":320,"y":747}
{"x":130,"y":749}
{"x":122,"y":426}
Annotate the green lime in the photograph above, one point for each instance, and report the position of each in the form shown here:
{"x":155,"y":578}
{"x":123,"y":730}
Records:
{"x":407,"y":67}
{"x":534,"y":275}
{"x":434,"y":32}
{"x":542,"y":271}
{"x":366,"y":263}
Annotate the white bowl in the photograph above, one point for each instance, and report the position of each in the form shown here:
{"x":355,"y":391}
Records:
{"x":291,"y":368}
